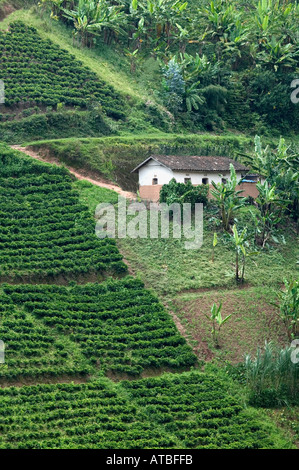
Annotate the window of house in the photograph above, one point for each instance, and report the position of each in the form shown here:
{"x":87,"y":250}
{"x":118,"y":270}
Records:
{"x":187,"y":179}
{"x":205,"y":181}
{"x":155,"y":181}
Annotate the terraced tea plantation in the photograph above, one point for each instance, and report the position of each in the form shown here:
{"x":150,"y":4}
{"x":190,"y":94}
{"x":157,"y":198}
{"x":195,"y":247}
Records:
{"x":36,"y":72}
{"x":175,"y":411}
{"x":118,"y":325}
{"x":92,"y":333}
{"x":45,"y":231}
{"x":32,"y":350}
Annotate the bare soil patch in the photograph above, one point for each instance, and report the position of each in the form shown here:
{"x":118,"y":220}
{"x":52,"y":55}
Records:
{"x":6,"y":10}
{"x":253,"y":322}
{"x":21,"y":382}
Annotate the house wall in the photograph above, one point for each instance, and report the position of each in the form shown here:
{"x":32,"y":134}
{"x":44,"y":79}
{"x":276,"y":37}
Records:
{"x":152,"y":192}
{"x":249,"y":189}
{"x":154,"y":169}
{"x":196,"y":177}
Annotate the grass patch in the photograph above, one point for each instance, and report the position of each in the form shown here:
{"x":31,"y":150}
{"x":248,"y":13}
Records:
{"x":253,"y":321}
{"x":287,"y":419}
{"x":116,"y":157}
{"x":92,"y":195}
{"x":168,"y":267}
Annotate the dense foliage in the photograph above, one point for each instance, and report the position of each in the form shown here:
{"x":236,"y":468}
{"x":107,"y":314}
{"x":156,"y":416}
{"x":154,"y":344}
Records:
{"x":175,"y":411}
{"x":223,"y":62}
{"x":181,"y":193}
{"x":45,"y":231}
{"x":32,"y":350}
{"x":118,"y":325}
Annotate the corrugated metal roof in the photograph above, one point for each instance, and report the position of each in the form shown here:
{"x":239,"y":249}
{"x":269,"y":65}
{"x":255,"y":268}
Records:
{"x":194,"y":163}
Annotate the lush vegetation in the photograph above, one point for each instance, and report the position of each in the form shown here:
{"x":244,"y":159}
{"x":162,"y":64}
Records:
{"x":46,"y":231}
{"x":180,"y":193}
{"x":221,"y":63}
{"x":119,"y":326}
{"x":32,"y":350}
{"x":151,"y":73}
{"x":116,"y":157}
{"x":173,"y":411}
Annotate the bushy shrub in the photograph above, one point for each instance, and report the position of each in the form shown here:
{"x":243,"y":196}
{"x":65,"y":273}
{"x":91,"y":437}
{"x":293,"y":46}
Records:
{"x":174,"y":192}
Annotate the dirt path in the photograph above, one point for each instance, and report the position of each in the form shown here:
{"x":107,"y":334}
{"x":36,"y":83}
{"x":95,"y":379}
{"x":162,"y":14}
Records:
{"x":78,"y":174}
{"x":200,"y":350}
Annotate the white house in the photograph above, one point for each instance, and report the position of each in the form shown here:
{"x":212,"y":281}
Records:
{"x":160,"y":169}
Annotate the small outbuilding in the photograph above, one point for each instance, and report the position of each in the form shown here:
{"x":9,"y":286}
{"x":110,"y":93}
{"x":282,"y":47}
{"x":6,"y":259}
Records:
{"x":158,"y":170}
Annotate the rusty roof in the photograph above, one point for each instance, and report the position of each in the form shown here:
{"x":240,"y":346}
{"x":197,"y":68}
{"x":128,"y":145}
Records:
{"x":194,"y":163}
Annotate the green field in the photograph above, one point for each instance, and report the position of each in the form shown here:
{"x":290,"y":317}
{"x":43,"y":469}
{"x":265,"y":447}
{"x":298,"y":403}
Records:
{"x":109,"y":343}
{"x":46,"y":231}
{"x":119,"y":326}
{"x":186,"y":411}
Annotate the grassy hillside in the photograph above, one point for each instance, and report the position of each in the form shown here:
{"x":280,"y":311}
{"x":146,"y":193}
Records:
{"x":116,"y":157}
{"x":103,"y":61}
{"x":113,"y":101}
{"x":145,"y":369}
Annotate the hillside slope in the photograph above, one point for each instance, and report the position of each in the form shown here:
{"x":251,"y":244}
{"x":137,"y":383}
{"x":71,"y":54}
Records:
{"x":145,"y":370}
{"x":78,"y":96}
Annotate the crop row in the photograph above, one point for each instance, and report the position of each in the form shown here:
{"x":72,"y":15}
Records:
{"x":117,"y":325}
{"x":57,"y":76}
{"x":31,"y":348}
{"x":40,"y":241}
{"x":100,"y":414}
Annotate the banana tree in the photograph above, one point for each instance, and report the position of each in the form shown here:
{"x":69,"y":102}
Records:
{"x":193,"y":97}
{"x":227,"y":198}
{"x":220,"y":16}
{"x":289,"y":307}
{"x":275,"y":54}
{"x":270,"y":207}
{"x":217,"y":322}
{"x":215,"y":242}
{"x":92,"y":18}
{"x":162,"y":18}
{"x":239,"y":245}
{"x":280,"y":168}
